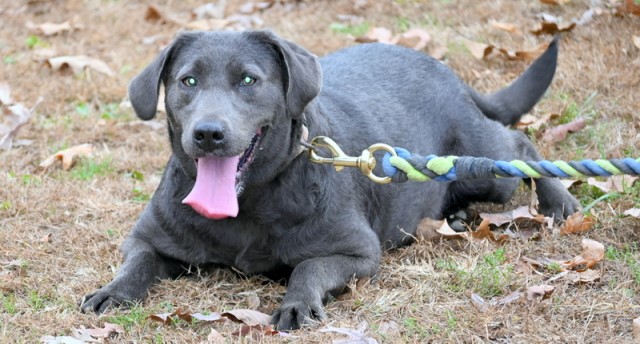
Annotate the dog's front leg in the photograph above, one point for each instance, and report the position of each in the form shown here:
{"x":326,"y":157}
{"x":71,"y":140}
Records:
{"x":310,"y":282}
{"x":142,"y":267}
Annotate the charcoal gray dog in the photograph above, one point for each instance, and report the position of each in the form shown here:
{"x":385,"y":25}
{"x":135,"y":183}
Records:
{"x":238,"y":192}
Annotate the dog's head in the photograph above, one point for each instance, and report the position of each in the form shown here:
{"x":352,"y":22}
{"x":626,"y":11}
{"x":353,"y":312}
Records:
{"x":234,"y":104}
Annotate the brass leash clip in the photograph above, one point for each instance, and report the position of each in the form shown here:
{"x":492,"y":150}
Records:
{"x":366,"y":162}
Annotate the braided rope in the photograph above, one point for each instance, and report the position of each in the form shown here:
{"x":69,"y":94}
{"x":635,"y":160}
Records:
{"x":406,"y":166}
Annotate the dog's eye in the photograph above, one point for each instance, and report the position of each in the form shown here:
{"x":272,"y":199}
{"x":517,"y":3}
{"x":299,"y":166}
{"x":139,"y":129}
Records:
{"x":248,"y":81}
{"x":190,"y":81}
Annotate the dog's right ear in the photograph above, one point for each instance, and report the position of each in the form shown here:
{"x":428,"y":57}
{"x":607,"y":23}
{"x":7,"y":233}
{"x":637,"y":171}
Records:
{"x":144,"y":88}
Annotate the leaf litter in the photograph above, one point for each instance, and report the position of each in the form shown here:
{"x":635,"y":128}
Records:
{"x":14,"y":117}
{"x":68,"y":156}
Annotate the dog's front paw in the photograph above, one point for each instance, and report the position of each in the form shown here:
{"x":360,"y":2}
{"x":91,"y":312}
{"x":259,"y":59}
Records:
{"x":102,"y":299}
{"x":292,"y":315}
{"x":555,"y":201}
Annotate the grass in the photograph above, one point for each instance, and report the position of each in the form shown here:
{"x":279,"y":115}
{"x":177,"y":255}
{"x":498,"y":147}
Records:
{"x":355,"y":30}
{"x":87,"y":169}
{"x":629,"y":256}
{"x":490,"y":277}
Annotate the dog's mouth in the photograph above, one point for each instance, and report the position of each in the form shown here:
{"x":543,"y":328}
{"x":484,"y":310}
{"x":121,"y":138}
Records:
{"x":219,"y":181}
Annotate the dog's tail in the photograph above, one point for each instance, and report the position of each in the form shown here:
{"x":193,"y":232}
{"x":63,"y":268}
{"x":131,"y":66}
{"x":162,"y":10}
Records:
{"x":509,"y":104}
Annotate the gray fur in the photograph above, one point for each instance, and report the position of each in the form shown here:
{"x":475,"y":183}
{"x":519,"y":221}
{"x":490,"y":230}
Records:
{"x":326,"y":227}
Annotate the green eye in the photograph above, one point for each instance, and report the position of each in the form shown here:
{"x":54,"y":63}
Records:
{"x":190,"y":81}
{"x":248,"y":81}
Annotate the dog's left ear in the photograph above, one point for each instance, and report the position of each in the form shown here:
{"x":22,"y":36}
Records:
{"x":301,"y":70}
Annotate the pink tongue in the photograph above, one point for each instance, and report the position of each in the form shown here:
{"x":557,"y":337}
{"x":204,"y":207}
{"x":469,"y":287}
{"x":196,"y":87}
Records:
{"x":214,"y":193}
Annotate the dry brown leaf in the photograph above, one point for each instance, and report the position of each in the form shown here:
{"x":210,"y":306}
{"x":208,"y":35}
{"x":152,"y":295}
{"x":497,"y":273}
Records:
{"x":79,"y":63}
{"x":636,"y":329}
{"x":483,"y":232}
{"x":630,"y":6}
{"x":568,"y":183}
{"x":533,"y":122}
{"x":482,"y":51}
{"x":378,"y":34}
{"x":500,"y":219}
{"x":550,"y":28}
{"x":577,"y":223}
{"x":635,"y":212}
{"x":214,"y":337}
{"x":509,"y":27}
{"x":449,"y":233}
{"x":427,"y":229}
{"x":257,"y":331}
{"x":592,"y":253}
{"x":636,"y":41}
{"x":559,"y":133}
{"x":14,"y":117}
{"x":50,"y":29}
{"x":67,"y":156}
{"x":554,"y":2}
{"x":587,"y":276}
{"x":539,"y":292}
{"x":613,"y":183}
{"x":248,"y":317}
{"x":355,"y":336}
{"x":168,"y":318}
{"x":416,"y":39}
{"x":438,"y":52}
{"x":5,"y":94}
{"x":157,"y":14}
{"x":89,"y":334}
{"x":209,"y":11}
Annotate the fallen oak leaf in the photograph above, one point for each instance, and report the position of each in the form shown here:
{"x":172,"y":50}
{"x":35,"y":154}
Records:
{"x":108,"y":331}
{"x":5,"y":94}
{"x":355,"y":336}
{"x":247,"y":317}
{"x":168,"y":318}
{"x":50,"y":29}
{"x":16,"y":117}
{"x":635,"y":212}
{"x":616,"y":183}
{"x":78,"y":64}
{"x":67,"y":156}
{"x":559,"y":133}
{"x":416,"y":39}
{"x":577,"y":223}
{"x":539,"y":292}
{"x":592,"y":253}
{"x":483,"y":232}
{"x":636,"y":329}
{"x":583,"y":277}
{"x":550,"y":28}
{"x":482,"y":51}
{"x":156,"y":14}
{"x":630,"y":6}
{"x":214,"y":337}
{"x":508,"y":27}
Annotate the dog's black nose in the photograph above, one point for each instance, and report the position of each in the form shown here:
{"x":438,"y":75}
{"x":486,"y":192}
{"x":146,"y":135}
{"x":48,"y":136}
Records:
{"x":209,"y":136}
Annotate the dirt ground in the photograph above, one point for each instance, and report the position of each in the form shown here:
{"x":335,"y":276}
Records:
{"x":60,"y":230}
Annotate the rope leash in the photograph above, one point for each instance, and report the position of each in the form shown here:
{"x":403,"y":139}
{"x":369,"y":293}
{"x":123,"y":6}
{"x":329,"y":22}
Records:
{"x":399,"y":165}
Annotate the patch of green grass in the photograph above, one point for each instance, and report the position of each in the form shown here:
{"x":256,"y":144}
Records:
{"x":136,"y":315}
{"x":87,"y":169}
{"x":83,"y":109}
{"x":9,"y":303}
{"x":629,"y":255}
{"x":490,"y":277}
{"x":9,"y":60}
{"x":355,"y":30}
{"x":36,"y":301}
{"x":554,"y":267}
{"x":30,"y":179}
{"x":111,"y":111}
{"x":5,"y":205}
{"x":136,"y":175}
{"x":139,"y":195}
{"x":574,"y":110}
{"x":34,"y":41}
{"x":413,"y":328}
{"x":403,"y":24}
